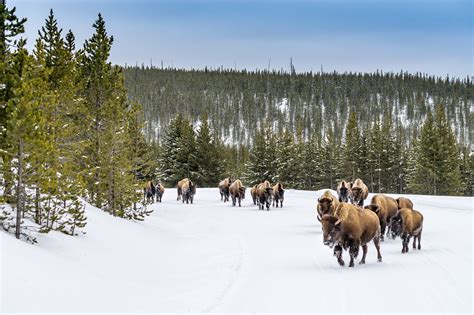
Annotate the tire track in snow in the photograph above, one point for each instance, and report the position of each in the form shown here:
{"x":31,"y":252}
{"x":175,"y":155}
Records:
{"x":234,"y":275}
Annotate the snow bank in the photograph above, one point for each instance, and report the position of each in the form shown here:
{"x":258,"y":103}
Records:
{"x":212,"y":257}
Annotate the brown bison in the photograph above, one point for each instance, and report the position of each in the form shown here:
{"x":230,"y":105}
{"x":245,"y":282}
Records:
{"x":237,"y":192}
{"x":386,"y":208}
{"x":264,"y":195}
{"x":188,"y":190}
{"x":149,"y":192}
{"x":327,"y":204}
{"x":407,"y":223}
{"x":253,"y":193}
{"x":278,"y":195}
{"x":403,"y":202}
{"x":180,"y":185}
{"x":160,"y":190}
{"x":224,"y":188}
{"x":343,"y":191}
{"x":349,"y":228}
{"x":359,"y":192}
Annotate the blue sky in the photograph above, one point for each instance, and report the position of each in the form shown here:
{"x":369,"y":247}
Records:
{"x":430,"y":36}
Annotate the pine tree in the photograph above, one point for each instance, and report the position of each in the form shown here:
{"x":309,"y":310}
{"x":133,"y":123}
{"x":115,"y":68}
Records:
{"x":436,"y":163}
{"x":331,"y":161}
{"x":352,"y":147}
{"x":467,"y":171}
{"x":11,"y":67}
{"x":168,"y":159}
{"x":262,"y":160}
{"x":209,"y":157}
{"x":422,"y":178}
{"x":98,"y":81}
{"x":27,"y":130}
{"x":448,"y":161}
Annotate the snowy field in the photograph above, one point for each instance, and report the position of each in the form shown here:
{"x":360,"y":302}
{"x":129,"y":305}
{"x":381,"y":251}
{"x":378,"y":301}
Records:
{"x":212,"y":257}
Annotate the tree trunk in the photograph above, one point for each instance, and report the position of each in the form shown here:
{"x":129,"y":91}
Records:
{"x":37,"y":207}
{"x":19,"y":204}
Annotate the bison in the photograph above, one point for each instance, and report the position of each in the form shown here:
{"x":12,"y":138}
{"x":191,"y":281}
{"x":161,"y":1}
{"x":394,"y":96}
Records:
{"x":407,"y":223}
{"x":224,"y":188}
{"x":386,"y":208}
{"x":359,"y":192}
{"x":253,"y":193}
{"x":180,"y":185}
{"x":403,"y":202}
{"x":349,"y":228}
{"x":160,"y":190}
{"x":149,"y":192}
{"x":327,"y":204}
{"x":343,"y":191}
{"x":278,"y":195}
{"x":237,"y":192}
{"x":187,"y":190}
{"x":264,"y":195}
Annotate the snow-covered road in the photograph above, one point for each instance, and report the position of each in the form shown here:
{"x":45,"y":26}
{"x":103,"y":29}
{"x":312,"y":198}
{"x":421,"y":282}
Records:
{"x":212,"y":257}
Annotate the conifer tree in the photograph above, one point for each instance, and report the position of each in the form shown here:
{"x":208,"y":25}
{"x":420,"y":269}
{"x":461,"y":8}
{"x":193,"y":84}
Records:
{"x":352,"y":147}
{"x":97,"y":87}
{"x":262,"y":160}
{"x":448,"y":160}
{"x":168,"y":159}
{"x":209,"y":158}
{"x":11,"y":55}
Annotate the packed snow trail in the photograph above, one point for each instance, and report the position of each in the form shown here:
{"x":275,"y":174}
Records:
{"x":212,"y":257}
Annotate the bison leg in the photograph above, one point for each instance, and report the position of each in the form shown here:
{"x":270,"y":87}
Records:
{"x":364,"y":253}
{"x":281,"y":203}
{"x":338,"y":254}
{"x":239,"y":202}
{"x":414,"y":241}
{"x":383,"y":226}
{"x":419,"y":239}
{"x":405,"y":241}
{"x":377,"y":246}
{"x":353,"y":252}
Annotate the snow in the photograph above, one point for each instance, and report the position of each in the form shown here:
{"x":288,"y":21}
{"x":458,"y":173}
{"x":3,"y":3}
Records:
{"x":212,"y":257}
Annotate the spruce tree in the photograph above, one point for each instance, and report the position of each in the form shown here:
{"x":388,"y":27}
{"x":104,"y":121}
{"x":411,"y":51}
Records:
{"x":209,"y":158}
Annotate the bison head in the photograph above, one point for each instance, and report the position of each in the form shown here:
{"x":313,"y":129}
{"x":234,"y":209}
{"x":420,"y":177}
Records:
{"x":356,"y":195}
{"x":343,"y":194}
{"x":326,"y":205}
{"x":396,"y":226}
{"x":373,"y":208}
{"x":331,"y":229}
{"x":242,"y":192}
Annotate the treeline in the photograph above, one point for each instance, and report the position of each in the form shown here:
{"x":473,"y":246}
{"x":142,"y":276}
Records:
{"x":434,"y":164}
{"x":67,"y":130}
{"x":239,"y":103}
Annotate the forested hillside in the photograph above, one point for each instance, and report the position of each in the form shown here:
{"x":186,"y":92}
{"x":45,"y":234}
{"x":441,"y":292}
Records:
{"x":238,"y":102}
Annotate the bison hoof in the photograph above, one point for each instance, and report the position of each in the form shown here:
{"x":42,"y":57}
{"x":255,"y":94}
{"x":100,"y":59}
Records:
{"x":351,"y":265}
{"x":341,"y":263}
{"x":419,"y":247}
{"x":379,"y":259}
{"x":362,"y":262}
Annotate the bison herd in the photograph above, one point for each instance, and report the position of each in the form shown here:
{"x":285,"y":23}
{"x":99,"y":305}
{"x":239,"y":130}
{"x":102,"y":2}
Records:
{"x":348,"y":225}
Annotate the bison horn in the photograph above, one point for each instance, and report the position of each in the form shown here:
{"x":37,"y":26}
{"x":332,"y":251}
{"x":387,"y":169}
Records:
{"x":337,"y":222}
{"x":318,"y":217}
